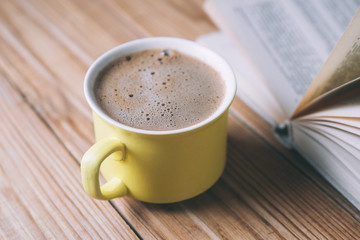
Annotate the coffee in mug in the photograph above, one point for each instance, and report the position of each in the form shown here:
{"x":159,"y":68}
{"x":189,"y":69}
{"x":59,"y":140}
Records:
{"x":159,"y":89}
{"x":160,"y":108}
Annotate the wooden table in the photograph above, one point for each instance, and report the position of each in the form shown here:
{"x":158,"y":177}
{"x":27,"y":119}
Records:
{"x":266,"y":191}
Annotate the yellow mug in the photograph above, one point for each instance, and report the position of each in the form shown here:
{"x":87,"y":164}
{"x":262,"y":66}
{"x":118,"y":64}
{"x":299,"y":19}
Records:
{"x":156,"y":166}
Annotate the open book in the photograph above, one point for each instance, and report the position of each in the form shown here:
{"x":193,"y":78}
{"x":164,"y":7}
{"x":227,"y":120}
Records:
{"x":298,"y":65}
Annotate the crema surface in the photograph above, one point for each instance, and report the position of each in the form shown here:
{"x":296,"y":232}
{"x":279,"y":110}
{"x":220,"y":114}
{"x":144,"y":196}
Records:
{"x":159,"y":89}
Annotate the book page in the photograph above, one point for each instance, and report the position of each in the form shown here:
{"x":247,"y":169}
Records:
{"x":287,"y":40}
{"x":330,"y":139}
{"x":334,"y":100}
{"x":342,"y":66}
{"x":348,"y":107}
{"x":349,"y":122}
{"x":346,"y":136}
{"x":330,"y":160}
{"x":250,"y":88}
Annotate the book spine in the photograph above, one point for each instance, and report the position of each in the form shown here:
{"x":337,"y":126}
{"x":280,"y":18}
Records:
{"x":283,"y":133}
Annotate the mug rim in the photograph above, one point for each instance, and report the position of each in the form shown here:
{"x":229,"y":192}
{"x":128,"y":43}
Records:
{"x":182,"y":45}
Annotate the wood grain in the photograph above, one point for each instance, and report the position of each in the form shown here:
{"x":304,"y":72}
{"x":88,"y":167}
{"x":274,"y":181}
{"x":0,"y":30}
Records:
{"x":41,"y":192}
{"x":266,"y":191}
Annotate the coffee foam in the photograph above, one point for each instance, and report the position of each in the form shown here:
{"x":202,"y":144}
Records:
{"x":159,"y":90}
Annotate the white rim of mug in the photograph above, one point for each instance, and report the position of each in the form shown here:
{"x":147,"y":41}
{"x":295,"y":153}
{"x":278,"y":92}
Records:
{"x":182,"y":45}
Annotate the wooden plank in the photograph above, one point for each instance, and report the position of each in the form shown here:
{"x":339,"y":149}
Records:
{"x":28,"y":59}
{"x":87,"y":29}
{"x":41,"y":193}
{"x":46,"y":47}
{"x":174,"y":18}
{"x":50,"y":65}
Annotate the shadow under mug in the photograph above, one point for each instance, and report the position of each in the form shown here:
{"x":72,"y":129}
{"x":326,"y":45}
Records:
{"x":156,"y":166}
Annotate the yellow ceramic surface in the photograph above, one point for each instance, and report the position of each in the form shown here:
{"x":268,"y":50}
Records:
{"x":156,"y":166}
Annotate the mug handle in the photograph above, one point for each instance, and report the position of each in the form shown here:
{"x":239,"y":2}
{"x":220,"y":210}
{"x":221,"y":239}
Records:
{"x":90,"y":168}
